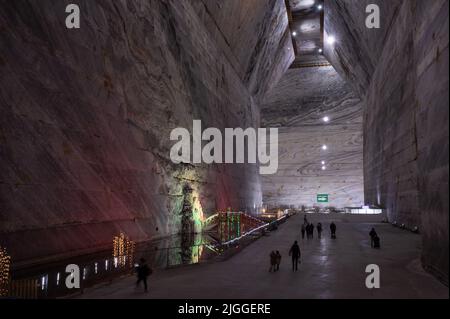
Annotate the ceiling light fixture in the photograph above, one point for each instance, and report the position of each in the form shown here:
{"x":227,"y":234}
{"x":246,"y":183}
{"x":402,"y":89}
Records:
{"x":324,"y":147}
{"x":294,"y":33}
{"x":324,"y":168}
{"x":326,"y":119}
{"x":320,"y":7}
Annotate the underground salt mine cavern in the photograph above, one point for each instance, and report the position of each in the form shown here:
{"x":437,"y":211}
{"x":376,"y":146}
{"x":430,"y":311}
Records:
{"x":183,"y":143}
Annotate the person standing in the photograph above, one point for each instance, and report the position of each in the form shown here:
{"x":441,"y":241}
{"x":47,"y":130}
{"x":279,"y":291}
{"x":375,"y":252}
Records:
{"x":303,"y":231}
{"x":273,"y":261}
{"x":333,"y":229}
{"x":309,"y":230}
{"x":143,"y":271}
{"x":295,"y":253}
{"x":372,"y":235}
{"x":319,"y":230}
{"x":312,"y":230}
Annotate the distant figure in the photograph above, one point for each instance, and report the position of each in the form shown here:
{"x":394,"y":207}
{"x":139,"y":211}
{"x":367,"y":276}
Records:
{"x":333,"y":230}
{"x":373,"y":234}
{"x":305,"y":220}
{"x":143,"y":271}
{"x":303,"y":231}
{"x":376,"y":242}
{"x":295,"y":254}
{"x":309,"y":231}
{"x":273,"y":261}
{"x":278,"y":260}
{"x":319,"y":230}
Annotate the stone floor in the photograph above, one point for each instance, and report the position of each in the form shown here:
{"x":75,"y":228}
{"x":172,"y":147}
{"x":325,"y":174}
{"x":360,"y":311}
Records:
{"x":329,"y":269}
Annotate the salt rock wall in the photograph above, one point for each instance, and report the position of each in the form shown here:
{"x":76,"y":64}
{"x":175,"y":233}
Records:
{"x":406,"y":114}
{"x":87,"y":115}
{"x":297,"y":106}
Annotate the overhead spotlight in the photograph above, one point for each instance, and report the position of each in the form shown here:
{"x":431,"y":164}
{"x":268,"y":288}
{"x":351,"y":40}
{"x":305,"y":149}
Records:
{"x":320,"y":7}
{"x":323,"y":162}
{"x":320,"y":50}
{"x":294,"y":34}
{"x":326,"y":119}
{"x":324,"y":168}
{"x":331,"y":40}
{"x":324,"y":147}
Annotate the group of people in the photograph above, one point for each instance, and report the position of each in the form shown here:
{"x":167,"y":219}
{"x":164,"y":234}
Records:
{"x":275,"y":261}
{"x":275,"y":258}
{"x":308,"y":230}
{"x":143,"y":270}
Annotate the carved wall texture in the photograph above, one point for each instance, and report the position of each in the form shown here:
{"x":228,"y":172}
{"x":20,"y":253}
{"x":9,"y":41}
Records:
{"x":86,"y":114}
{"x":401,"y":72}
{"x":297,"y":106}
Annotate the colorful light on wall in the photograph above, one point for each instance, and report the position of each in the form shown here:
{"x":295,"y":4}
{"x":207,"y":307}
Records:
{"x":197,"y":212}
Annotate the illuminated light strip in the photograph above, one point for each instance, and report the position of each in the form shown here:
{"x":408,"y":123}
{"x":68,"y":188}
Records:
{"x":212,"y":248}
{"x":251,"y":232}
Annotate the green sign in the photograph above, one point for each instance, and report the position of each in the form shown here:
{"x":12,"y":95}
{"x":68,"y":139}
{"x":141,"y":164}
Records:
{"x":322,"y":198}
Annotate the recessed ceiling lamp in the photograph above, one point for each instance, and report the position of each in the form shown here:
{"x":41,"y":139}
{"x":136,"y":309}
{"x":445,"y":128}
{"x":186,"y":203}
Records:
{"x":324,"y":147}
{"x":320,"y":7}
{"x":323,"y":162}
{"x":320,"y":50}
{"x":324,"y":168}
{"x":326,"y":119}
{"x":294,"y":34}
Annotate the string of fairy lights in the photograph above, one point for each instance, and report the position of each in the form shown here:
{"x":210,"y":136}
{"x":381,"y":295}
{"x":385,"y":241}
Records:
{"x":5,"y":266}
{"x":123,"y":250}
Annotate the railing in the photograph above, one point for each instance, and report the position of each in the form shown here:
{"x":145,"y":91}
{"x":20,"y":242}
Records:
{"x":24,"y":289}
{"x":102,"y":269}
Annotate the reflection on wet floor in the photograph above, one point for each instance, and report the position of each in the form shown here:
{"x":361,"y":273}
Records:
{"x":49,"y":281}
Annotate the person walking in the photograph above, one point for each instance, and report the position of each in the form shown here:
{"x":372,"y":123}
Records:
{"x":312,"y":230}
{"x":273,"y":261}
{"x":303,"y":231}
{"x":295,"y":253}
{"x":278,"y":260}
{"x":319,"y":230}
{"x":333,"y":229}
{"x":143,"y":271}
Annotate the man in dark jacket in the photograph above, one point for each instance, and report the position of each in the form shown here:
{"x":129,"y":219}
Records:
{"x":295,"y":253}
{"x":143,"y":271}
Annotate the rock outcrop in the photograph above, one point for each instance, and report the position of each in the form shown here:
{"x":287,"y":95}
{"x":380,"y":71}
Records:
{"x":87,"y":114}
